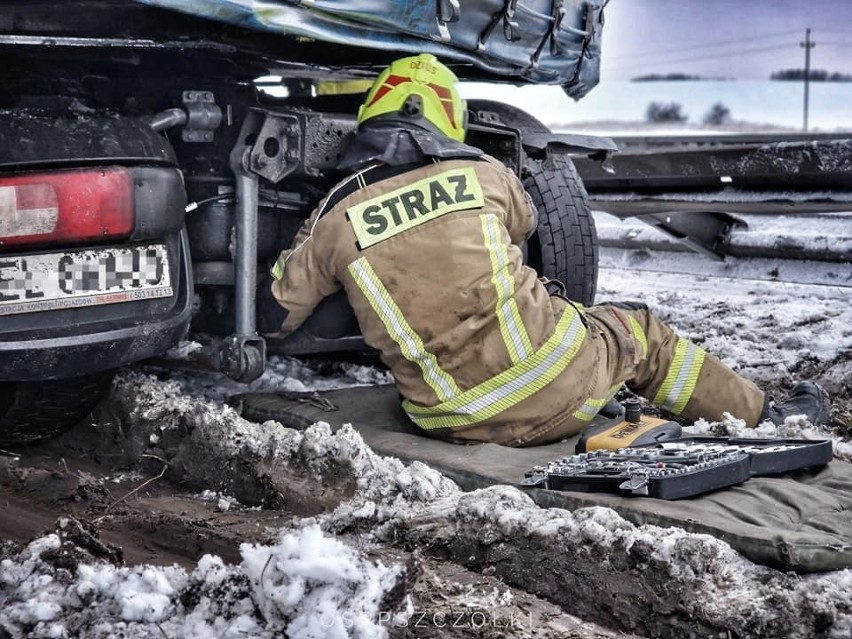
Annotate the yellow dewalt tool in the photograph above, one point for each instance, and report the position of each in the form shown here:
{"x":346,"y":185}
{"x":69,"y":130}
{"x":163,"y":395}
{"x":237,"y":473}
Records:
{"x":631,"y":429}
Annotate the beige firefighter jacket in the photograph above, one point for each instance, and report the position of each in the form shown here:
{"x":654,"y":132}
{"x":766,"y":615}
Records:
{"x":431,"y":263}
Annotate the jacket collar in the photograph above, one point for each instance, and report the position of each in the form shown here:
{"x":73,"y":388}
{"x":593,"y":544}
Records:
{"x":396,"y":144}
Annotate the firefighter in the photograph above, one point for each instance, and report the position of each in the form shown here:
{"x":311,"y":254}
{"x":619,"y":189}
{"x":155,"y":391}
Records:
{"x":425,"y":239}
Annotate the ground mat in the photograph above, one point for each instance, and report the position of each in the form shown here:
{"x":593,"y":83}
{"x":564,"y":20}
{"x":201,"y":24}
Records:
{"x":800,"y":521}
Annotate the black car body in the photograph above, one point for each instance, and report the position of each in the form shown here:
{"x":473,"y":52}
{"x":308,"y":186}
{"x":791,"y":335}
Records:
{"x":148,"y":177}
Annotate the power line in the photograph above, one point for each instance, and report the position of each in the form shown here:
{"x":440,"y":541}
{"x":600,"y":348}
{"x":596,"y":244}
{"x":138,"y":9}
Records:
{"x":841,"y":31}
{"x":807,"y":45}
{"x":735,"y":54}
{"x":711,"y":45}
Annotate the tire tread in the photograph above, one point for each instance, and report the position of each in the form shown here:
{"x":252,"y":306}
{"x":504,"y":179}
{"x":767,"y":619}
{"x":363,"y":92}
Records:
{"x":41,"y":410}
{"x":566,"y":232}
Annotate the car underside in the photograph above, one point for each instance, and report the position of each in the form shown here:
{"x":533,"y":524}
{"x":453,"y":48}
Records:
{"x":218,"y":141}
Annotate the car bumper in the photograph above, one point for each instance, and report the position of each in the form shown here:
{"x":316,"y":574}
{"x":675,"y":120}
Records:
{"x":113,"y":342}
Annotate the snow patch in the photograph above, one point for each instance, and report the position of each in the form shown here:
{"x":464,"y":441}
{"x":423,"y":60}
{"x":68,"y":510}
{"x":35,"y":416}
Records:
{"x":794,"y":427}
{"x":318,"y":585}
{"x":305,"y":586}
{"x":280,"y":375}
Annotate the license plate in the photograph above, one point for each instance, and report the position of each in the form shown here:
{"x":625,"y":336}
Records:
{"x":83,"y":278}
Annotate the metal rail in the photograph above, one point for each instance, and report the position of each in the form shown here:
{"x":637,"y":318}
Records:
{"x":627,"y":142}
{"x":803,"y":249}
{"x":691,"y":187}
{"x":780,"y":166}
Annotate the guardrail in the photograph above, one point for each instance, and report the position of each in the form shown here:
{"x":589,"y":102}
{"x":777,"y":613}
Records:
{"x":692,"y":188}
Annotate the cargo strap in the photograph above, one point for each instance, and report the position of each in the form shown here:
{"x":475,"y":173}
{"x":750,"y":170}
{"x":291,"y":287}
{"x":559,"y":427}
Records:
{"x":511,"y":29}
{"x":447,"y":11}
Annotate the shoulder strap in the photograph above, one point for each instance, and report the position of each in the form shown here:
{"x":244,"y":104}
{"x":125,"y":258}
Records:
{"x":363,"y":178}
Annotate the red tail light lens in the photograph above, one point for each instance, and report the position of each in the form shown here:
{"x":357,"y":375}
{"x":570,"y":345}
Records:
{"x":66,"y":207}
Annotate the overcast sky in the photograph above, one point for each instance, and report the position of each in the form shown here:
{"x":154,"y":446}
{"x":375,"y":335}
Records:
{"x":741,"y":39}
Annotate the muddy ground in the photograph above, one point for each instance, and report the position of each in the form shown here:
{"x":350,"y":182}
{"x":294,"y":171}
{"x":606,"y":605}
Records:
{"x":125,"y":496}
{"x":156,"y":476}
{"x":128,"y":488}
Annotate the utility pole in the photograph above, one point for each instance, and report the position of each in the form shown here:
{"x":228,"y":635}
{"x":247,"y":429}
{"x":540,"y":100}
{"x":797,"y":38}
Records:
{"x":808,"y":45}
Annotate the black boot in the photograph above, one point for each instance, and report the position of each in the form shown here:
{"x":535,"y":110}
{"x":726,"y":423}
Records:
{"x":806,"y":398}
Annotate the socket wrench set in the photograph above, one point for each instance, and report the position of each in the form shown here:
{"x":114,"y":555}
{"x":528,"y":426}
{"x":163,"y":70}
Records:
{"x":678,"y":468}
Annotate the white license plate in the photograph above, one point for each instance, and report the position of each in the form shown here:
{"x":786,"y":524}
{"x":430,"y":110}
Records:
{"x":83,"y":278}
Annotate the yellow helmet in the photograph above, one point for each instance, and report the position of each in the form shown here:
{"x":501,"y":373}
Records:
{"x":418,"y":87}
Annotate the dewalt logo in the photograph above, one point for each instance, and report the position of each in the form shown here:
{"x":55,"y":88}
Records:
{"x":392,"y":213}
{"x":627,"y":430}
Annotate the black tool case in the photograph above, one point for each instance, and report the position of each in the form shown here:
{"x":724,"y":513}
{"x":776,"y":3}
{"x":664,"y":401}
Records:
{"x":678,"y":468}
{"x":766,"y":456}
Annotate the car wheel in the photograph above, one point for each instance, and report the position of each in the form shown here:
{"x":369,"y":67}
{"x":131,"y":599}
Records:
{"x":33,"y":411}
{"x":564,"y":246}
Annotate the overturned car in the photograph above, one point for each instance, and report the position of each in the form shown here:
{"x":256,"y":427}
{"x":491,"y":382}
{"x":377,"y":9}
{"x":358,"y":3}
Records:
{"x":157,"y":154}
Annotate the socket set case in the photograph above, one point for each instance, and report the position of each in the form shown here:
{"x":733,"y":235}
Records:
{"x":766,"y":456}
{"x":678,"y":468}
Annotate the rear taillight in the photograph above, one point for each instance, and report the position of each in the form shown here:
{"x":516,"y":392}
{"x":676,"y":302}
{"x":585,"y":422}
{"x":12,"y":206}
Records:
{"x":66,"y":207}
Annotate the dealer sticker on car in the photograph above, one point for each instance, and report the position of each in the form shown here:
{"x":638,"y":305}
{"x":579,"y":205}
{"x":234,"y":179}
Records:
{"x":54,"y":281}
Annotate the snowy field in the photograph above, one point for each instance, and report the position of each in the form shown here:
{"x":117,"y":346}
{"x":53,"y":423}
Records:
{"x":613,"y":106}
{"x":330,"y":575}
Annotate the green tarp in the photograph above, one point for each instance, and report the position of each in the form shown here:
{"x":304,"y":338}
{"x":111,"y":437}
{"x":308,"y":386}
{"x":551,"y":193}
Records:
{"x":800,"y":521}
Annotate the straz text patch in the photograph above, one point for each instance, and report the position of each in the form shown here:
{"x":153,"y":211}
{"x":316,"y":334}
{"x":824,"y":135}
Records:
{"x":382,"y":217}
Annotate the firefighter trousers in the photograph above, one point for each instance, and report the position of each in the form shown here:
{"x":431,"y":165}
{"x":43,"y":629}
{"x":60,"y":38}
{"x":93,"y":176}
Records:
{"x":636,"y":349}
